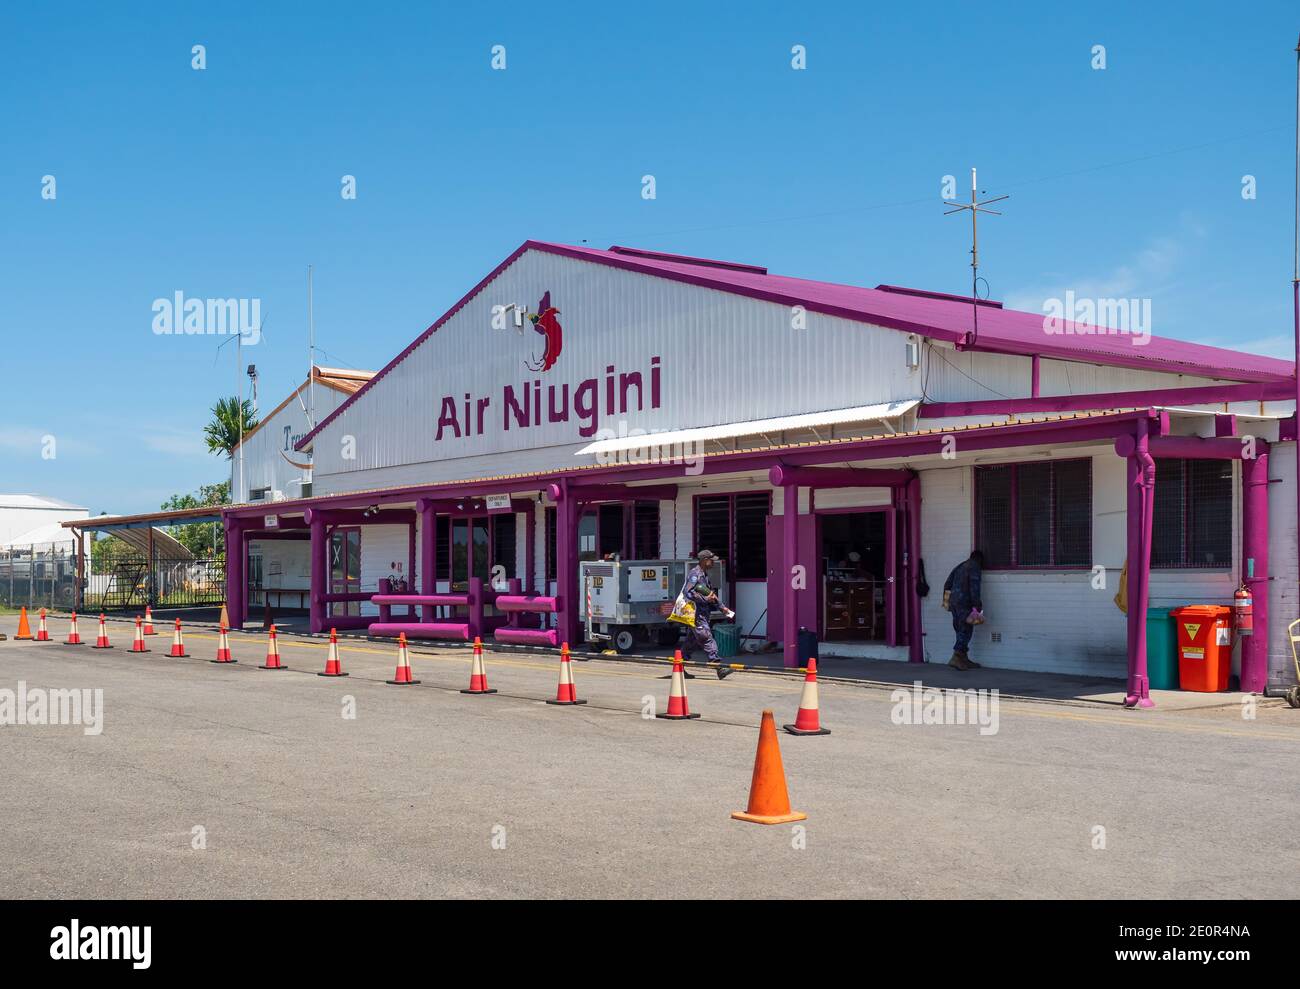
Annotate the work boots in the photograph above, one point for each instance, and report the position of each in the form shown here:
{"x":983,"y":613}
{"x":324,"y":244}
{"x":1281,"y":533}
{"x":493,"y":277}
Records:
{"x":960,"y":661}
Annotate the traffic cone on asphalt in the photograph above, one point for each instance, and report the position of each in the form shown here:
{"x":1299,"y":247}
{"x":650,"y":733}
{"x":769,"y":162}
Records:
{"x":333,"y":665}
{"x":178,"y":643}
{"x":808,"y":721}
{"x":403,"y":675}
{"x":137,"y":645}
{"x":42,"y":633}
{"x":101,"y":642}
{"x":477,"y":673}
{"x":272,"y":653}
{"x":678,"y":707}
{"x":24,"y":629}
{"x":74,"y":637}
{"x":223,"y":649}
{"x":769,"y":801}
{"x":566,"y":692}
{"x":148,"y":621}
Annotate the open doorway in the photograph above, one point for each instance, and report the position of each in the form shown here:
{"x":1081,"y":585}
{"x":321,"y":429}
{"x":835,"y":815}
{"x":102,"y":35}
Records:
{"x":856,"y":550}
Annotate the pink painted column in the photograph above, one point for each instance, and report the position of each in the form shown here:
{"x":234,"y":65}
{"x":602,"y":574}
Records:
{"x":428,"y":554}
{"x":916,"y":626}
{"x":319,"y":569}
{"x":790,"y":555}
{"x":1254,"y":567}
{"x":1141,"y":504}
{"x":235,"y":563}
{"x":566,"y":562}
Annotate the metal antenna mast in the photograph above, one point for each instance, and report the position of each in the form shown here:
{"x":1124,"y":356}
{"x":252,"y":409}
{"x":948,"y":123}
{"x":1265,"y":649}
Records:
{"x":976,"y":207}
{"x":1295,"y":275}
{"x":311,"y":356}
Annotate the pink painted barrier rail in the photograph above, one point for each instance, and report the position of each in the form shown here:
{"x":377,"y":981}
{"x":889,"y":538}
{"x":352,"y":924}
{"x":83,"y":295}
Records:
{"x":516,"y":606}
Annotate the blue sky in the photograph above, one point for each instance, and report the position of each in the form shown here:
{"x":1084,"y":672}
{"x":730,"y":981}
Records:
{"x":226,"y":182}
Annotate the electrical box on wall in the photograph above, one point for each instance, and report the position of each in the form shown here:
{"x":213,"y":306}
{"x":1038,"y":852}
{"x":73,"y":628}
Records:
{"x":913,"y":353}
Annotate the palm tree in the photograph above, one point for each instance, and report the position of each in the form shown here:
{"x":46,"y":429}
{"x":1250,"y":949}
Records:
{"x":223,"y":432}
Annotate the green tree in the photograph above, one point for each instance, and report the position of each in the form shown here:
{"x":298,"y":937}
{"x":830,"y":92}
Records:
{"x":223,"y":432}
{"x":200,"y":538}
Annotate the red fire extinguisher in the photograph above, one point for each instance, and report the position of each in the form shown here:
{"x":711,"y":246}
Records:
{"x":1243,"y":610}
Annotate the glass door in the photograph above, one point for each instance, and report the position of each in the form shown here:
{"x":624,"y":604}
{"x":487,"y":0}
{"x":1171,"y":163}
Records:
{"x":345,"y":568}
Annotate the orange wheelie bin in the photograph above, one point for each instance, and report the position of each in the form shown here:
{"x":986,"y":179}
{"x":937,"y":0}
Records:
{"x":1204,"y":647}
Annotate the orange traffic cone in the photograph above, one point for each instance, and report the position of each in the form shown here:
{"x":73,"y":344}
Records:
{"x":223,"y":649}
{"x":272,"y":653}
{"x":769,"y":801}
{"x":102,"y":641}
{"x":24,"y":629}
{"x":333,"y":665}
{"x":678,"y":707}
{"x":808,"y":721}
{"x":566,"y":692}
{"x":148,"y":621}
{"x":403,"y":674}
{"x":477,"y":672}
{"x":137,"y":644}
{"x":178,"y":643}
{"x":42,"y":633}
{"x":224,"y":618}
{"x":74,"y":637}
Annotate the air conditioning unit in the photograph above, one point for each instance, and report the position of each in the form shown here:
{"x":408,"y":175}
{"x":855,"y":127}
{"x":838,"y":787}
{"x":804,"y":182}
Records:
{"x":277,"y":495}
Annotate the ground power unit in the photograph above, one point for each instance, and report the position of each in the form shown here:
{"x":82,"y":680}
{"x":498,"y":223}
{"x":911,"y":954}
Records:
{"x":627,"y":602}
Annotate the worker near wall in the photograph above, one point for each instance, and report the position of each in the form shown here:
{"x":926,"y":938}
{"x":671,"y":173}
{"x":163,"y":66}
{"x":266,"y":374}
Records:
{"x":700,"y":593}
{"x":961,"y":595}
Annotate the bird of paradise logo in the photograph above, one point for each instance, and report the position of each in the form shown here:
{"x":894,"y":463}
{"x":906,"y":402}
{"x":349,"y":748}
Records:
{"x":547,"y":325}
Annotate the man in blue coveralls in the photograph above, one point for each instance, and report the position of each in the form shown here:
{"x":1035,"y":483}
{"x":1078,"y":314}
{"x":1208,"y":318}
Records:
{"x":700,"y":593}
{"x":963,"y":594}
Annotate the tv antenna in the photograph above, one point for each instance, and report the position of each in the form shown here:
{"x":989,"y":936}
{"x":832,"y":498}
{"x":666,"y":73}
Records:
{"x":976,"y":208}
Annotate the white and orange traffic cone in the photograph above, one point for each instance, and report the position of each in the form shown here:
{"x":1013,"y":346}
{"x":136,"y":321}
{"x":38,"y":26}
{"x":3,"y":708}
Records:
{"x":808,"y":721}
{"x":223,"y":649}
{"x":178,"y":643}
{"x":74,"y":637}
{"x":148,"y":621}
{"x":42,"y":633}
{"x":137,"y":645}
{"x":566,"y":692}
{"x":477,"y":673}
{"x":403,"y":675}
{"x":333,"y":665}
{"x":272,"y":653}
{"x":678,"y":707}
{"x":101,"y":642}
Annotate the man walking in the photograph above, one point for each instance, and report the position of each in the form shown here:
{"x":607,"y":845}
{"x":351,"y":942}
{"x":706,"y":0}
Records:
{"x":700,"y":593}
{"x":961,"y":592}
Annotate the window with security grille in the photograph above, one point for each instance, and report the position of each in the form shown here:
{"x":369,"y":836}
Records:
{"x":734,"y":526}
{"x":1034,"y":515}
{"x":1192,"y":524}
{"x":645,"y":530}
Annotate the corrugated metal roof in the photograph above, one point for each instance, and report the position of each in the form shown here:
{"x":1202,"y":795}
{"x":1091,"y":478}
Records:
{"x":932,"y":315}
{"x":756,"y":427}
